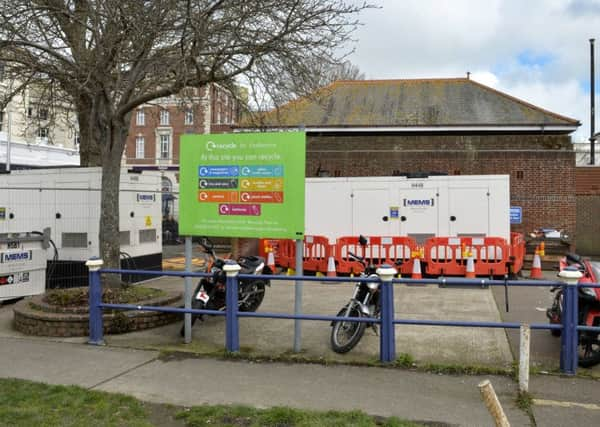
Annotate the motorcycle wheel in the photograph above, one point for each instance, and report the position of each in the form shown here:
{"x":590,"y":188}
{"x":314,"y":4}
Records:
{"x":589,"y":350}
{"x":345,"y":335}
{"x":554,"y":314}
{"x":256,"y":289}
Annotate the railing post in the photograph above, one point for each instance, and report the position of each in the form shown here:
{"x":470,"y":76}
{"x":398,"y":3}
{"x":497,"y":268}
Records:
{"x":524,"y":339}
{"x":387,"y":338}
{"x":232,"y":338}
{"x":570,"y":314}
{"x":95,"y":299}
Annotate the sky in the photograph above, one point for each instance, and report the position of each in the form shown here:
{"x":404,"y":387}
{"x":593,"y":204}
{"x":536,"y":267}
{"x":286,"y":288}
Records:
{"x":535,"y":50}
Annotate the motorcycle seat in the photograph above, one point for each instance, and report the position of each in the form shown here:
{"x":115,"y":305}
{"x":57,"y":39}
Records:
{"x":249,"y":263}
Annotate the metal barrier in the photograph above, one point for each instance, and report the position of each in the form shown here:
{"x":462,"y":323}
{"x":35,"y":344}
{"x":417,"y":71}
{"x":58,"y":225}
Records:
{"x":569,"y":327}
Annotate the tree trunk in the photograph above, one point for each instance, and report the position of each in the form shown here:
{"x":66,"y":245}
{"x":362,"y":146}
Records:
{"x":89,"y":147}
{"x":113,"y":138}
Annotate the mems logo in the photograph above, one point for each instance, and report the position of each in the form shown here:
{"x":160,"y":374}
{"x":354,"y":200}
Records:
{"x":16,"y":256}
{"x":418,"y":202}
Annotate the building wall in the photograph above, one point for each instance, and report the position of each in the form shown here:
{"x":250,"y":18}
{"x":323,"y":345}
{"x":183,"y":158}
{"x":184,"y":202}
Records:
{"x":588,"y":210}
{"x":214,"y":111}
{"x":27,"y":117}
{"x":541,"y":167}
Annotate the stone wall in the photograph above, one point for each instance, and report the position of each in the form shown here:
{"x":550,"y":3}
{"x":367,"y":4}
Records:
{"x":33,"y":316}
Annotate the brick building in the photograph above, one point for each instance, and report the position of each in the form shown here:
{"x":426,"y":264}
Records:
{"x":587,"y":191}
{"x":156,"y":129}
{"x":450,"y":126}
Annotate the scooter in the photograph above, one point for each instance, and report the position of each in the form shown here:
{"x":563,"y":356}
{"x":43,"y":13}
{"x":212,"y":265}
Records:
{"x":210,"y":291}
{"x":589,"y":308}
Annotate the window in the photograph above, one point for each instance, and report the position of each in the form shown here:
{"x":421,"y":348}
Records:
{"x":43,"y":133}
{"x":139,"y":147}
{"x":1,"y":70}
{"x":1,"y":114}
{"x":520,"y":174}
{"x":43,"y":114}
{"x":165,"y":146}
{"x":140,"y":118}
{"x":164,"y":117}
{"x":189,"y":117}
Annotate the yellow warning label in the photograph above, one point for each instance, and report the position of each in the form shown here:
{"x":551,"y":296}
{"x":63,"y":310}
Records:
{"x":148,"y":221}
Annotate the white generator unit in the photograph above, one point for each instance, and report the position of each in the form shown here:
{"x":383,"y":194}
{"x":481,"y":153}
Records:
{"x":436,"y":206}
{"x":67,"y":200}
{"x":23,"y":264}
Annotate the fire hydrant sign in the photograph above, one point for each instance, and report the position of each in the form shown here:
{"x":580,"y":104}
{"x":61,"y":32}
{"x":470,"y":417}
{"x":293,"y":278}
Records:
{"x":242,"y":185}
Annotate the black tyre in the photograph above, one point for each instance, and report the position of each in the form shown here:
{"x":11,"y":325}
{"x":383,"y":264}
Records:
{"x":345,"y":335}
{"x":589,"y":350}
{"x":252,"y":295}
{"x":182,"y":330}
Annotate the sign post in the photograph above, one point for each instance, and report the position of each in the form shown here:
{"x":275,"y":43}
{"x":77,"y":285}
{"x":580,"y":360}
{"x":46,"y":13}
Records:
{"x":244,"y":185}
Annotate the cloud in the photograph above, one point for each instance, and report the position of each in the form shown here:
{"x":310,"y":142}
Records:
{"x":537,"y":50}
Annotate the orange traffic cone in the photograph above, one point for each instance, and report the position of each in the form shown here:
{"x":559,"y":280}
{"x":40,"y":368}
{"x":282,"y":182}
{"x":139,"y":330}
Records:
{"x":331,"y":267}
{"x":536,"y":267}
{"x":416,"y":271}
{"x":271,"y":261}
{"x":470,"y":272}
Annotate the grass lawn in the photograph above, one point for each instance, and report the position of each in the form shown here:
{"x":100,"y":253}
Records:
{"x":26,"y":403}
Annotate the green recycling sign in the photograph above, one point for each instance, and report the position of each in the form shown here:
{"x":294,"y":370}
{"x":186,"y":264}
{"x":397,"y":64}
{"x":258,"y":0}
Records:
{"x":242,"y":185}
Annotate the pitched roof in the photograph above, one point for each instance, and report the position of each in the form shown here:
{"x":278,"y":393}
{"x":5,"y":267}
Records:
{"x":411,"y":103}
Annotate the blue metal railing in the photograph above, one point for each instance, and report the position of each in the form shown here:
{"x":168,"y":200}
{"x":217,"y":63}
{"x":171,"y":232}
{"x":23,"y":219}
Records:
{"x":387,"y":321}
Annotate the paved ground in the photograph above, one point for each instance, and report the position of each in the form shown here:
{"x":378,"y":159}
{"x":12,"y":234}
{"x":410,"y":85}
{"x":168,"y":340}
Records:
{"x":124,"y":367}
{"x":413,"y":395}
{"x":477,"y":346}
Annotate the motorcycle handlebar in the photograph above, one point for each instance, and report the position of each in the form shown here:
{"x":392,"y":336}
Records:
{"x":356,"y":257}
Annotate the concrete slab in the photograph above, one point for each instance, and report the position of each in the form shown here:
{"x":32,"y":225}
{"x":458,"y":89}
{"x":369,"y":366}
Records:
{"x":378,"y":391}
{"x":62,"y":363}
{"x":268,"y":337}
{"x":552,"y":416}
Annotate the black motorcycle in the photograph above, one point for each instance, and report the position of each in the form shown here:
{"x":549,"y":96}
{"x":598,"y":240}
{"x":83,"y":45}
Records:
{"x":210,"y":291}
{"x":365,"y":302}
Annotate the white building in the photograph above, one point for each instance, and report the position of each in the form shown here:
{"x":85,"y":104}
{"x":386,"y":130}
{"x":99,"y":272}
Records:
{"x":38,"y":133}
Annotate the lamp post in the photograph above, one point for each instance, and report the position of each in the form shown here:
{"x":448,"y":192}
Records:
{"x":592,"y":106}
{"x":8,"y":132}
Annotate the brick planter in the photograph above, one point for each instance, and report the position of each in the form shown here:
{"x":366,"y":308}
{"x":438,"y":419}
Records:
{"x":33,"y":316}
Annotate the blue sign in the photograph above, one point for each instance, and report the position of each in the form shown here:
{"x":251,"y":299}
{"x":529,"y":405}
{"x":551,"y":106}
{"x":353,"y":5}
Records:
{"x":16,"y":256}
{"x":217,"y":171}
{"x":146,"y":197}
{"x":419,"y":202}
{"x":262,"y":171}
{"x":516,"y":215}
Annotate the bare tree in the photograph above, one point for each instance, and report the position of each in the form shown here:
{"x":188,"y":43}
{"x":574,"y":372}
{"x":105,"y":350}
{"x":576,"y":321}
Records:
{"x":111,"y":56}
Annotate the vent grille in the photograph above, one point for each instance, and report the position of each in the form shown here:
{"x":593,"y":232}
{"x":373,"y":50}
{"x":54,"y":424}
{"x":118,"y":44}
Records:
{"x":148,"y":236}
{"x":125,"y":238}
{"x":74,"y":240}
